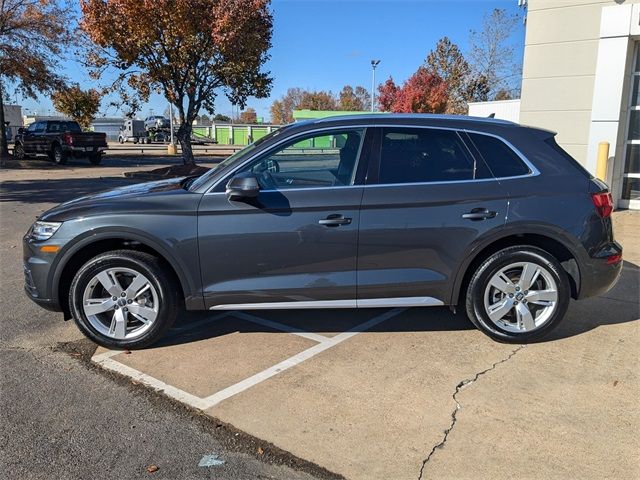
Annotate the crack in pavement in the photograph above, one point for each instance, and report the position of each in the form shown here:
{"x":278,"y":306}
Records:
{"x":454,"y":414}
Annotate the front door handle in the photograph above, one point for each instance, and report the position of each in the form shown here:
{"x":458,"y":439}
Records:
{"x":479,"y":214}
{"x":334,"y":220}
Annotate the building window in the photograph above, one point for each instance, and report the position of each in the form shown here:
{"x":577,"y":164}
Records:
{"x":631,"y":175}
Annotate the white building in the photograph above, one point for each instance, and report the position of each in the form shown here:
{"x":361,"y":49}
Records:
{"x":581,"y":78}
{"x":502,"y":109}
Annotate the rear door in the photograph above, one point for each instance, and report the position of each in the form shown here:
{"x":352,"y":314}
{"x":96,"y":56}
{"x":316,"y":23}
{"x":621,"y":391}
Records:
{"x":427,"y":200}
{"x":295,"y":244}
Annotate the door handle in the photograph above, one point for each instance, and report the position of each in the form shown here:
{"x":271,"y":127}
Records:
{"x":479,"y":214}
{"x":334,"y":220}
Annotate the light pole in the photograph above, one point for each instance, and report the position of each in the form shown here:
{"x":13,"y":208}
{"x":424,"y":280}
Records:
{"x":171,"y":148}
{"x":374,"y":64}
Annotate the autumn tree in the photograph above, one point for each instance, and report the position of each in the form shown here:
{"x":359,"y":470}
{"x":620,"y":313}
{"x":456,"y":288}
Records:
{"x":423,"y":92}
{"x":33,"y":35}
{"x":248,"y":116}
{"x":190,"y":51}
{"x":317,"y":100}
{"x":354,"y":100}
{"x":282,"y":110}
{"x":493,"y":56}
{"x":79,"y":105}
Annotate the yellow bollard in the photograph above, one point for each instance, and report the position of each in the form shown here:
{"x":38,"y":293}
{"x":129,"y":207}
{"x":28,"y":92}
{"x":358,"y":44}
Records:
{"x":603,"y":159}
{"x":171,"y":149}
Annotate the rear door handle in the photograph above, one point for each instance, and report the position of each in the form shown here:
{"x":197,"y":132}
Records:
{"x":334,"y":220}
{"x":479,"y":214}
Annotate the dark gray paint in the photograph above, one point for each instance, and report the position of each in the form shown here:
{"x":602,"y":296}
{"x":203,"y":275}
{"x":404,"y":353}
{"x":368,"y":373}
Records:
{"x":406,"y":240}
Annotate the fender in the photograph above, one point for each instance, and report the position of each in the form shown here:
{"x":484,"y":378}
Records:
{"x":190,"y":287}
{"x":570,"y":242}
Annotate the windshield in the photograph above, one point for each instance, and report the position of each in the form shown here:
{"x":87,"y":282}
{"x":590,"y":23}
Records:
{"x":201,"y":180}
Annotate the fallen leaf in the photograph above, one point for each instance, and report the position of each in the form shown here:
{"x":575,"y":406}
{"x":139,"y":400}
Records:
{"x":152,"y":468}
{"x":615,"y":383}
{"x":260,"y":451}
{"x":127,"y":352}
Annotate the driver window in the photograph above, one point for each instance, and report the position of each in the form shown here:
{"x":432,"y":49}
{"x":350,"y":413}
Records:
{"x":325,"y":159}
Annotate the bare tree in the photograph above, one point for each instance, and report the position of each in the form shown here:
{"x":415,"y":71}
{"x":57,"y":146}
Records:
{"x":493,"y":56}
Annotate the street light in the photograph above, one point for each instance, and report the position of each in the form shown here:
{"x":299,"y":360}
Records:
{"x":374,"y":64}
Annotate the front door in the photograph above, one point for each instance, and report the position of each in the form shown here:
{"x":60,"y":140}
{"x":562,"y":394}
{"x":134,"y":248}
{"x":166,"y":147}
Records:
{"x":295,"y":244}
{"x":427,"y":199}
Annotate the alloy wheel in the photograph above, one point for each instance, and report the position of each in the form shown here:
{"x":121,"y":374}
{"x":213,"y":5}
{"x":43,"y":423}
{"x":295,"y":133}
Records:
{"x":521,"y":297}
{"x":120,"y":303}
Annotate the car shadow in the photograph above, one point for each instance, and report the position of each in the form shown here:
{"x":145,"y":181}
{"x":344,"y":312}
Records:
{"x":620,"y":305}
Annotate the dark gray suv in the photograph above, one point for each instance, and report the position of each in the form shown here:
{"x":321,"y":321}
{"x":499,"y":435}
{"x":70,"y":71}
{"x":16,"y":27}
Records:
{"x":345,"y":212}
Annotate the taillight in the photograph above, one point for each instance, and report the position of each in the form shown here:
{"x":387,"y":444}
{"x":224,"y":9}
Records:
{"x":603,"y":203}
{"x":67,"y":138}
{"x":613,"y":259}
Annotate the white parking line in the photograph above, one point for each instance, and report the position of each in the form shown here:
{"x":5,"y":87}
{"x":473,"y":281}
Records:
{"x":105,"y":360}
{"x":280,"y":326}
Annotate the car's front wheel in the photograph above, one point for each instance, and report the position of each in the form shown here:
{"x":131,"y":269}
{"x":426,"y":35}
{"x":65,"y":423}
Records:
{"x":124,"y":299}
{"x":18,"y":151}
{"x":518,"y":294}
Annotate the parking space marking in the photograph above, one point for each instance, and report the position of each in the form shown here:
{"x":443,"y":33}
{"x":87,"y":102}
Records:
{"x":280,"y":326}
{"x":298,"y":358}
{"x":136,"y":375}
{"x":106,"y":361}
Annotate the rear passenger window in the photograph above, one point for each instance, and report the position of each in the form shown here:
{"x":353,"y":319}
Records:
{"x":500,"y":158}
{"x":417,"y":155}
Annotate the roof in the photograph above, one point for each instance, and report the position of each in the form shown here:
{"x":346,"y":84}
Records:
{"x":415,"y":117}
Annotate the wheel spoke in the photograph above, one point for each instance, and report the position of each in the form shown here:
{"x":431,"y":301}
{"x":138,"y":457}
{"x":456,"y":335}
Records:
{"x":93,"y":306}
{"x":502,"y":283}
{"x":142,"y":313}
{"x":525,"y":319}
{"x":110,"y":283}
{"x":118,"y":326}
{"x":542,"y":297}
{"x":500,"y":309}
{"x":529,"y":275}
{"x":137,"y":286}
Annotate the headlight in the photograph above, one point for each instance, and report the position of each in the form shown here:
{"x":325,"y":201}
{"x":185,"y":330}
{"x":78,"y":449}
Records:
{"x":44,"y":230}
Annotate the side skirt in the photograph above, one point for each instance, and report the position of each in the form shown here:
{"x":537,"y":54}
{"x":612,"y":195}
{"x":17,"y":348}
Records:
{"x":364,"y":303}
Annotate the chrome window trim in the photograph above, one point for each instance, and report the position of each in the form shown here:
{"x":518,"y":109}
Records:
{"x":532,"y":173}
{"x":293,"y":137}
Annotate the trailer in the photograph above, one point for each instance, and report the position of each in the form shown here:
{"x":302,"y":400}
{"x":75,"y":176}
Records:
{"x":133,"y":130}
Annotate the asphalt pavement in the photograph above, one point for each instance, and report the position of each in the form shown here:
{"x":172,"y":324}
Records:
{"x":62,"y":418}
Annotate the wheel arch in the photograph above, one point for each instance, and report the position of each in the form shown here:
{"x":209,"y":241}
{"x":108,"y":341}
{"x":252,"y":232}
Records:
{"x":83,"y":250}
{"x":550,"y":242}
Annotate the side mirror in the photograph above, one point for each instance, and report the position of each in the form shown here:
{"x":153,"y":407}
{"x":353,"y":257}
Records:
{"x":243,"y":186}
{"x":20,"y":131}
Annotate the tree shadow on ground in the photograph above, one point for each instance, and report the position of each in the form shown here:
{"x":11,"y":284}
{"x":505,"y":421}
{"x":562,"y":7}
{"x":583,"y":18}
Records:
{"x":57,"y":190}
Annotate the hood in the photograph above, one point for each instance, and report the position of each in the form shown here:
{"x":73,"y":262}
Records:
{"x":138,"y":197}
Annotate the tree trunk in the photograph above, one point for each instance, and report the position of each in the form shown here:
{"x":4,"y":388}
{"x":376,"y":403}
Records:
{"x":184,"y":137}
{"x":4,"y":147}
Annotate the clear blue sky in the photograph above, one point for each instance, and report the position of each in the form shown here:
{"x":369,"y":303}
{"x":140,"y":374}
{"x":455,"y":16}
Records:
{"x":325,"y":44}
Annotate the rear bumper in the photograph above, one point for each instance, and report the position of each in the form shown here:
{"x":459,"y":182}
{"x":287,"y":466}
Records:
{"x":75,"y":150}
{"x":597,"y":276}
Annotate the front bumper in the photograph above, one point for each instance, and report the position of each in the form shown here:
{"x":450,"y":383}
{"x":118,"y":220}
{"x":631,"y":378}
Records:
{"x":37,"y":267}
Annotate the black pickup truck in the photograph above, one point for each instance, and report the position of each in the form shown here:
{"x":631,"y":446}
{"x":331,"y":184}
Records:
{"x":59,"y":140}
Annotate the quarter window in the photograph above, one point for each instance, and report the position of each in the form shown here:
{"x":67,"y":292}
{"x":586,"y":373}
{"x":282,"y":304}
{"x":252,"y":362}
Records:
{"x":500,"y":158}
{"x":417,"y":155}
{"x":326,"y":159}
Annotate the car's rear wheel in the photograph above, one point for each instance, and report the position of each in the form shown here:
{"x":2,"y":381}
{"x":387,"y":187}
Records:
{"x":58,"y":155}
{"x":124,"y":299}
{"x":518,"y":294}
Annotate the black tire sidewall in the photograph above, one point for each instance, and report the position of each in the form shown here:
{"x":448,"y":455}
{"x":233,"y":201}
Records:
{"x":150,"y":267}
{"x":59,"y":159}
{"x":95,"y":159}
{"x":475,"y":292}
{"x":19,"y":148}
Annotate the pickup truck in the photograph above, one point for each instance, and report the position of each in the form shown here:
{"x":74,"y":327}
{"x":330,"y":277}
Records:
{"x":59,"y":140}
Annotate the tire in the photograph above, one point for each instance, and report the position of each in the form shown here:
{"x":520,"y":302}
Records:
{"x":95,"y":159}
{"x":113,"y":323}
{"x":121,"y":140}
{"x":18,"y":151}
{"x":510,"y":296}
{"x":58,"y":155}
